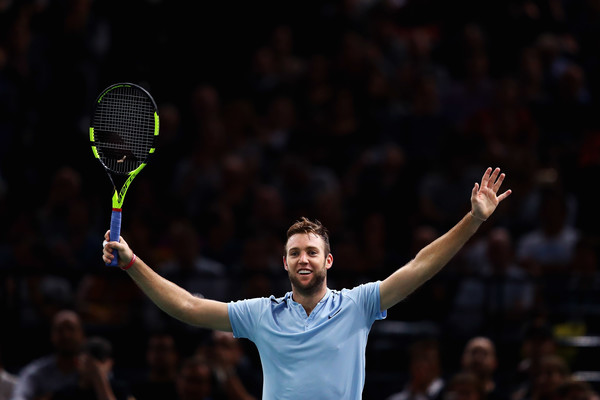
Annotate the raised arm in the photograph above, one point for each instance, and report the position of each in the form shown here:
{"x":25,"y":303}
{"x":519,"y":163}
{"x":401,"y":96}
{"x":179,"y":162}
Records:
{"x":172,"y":299}
{"x":433,"y":257}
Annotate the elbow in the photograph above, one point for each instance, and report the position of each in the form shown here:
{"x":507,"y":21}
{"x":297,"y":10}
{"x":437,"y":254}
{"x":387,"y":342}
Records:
{"x":190,"y":310}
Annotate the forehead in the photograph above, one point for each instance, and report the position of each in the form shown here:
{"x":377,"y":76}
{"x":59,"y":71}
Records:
{"x":66,"y":320}
{"x":304,"y":240}
{"x":480,"y":345}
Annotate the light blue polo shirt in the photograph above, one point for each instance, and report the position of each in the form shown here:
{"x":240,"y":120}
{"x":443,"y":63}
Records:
{"x":321,"y":356}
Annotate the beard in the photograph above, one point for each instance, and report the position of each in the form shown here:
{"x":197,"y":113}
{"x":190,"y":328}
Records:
{"x":311,"y":287}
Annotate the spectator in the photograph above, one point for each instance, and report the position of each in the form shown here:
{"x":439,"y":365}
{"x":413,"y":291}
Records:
{"x":548,"y":249}
{"x":162,"y":361}
{"x":95,"y":380}
{"x":425,"y":380}
{"x":496,"y":296}
{"x":552,"y":371}
{"x":464,"y":386}
{"x":234,"y":369}
{"x":195,"y":380}
{"x":479,"y":358}
{"x":46,"y":375}
{"x":234,"y":378}
{"x":538,"y":342}
{"x":188,"y":267}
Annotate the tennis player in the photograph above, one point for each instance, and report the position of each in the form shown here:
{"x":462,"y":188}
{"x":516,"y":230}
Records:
{"x":312,"y":340}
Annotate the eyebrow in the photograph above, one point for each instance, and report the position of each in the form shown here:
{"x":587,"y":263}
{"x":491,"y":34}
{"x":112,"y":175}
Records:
{"x":307,"y":248}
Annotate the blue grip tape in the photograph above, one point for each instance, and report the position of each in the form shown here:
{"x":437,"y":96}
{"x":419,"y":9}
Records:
{"x":115,"y":233}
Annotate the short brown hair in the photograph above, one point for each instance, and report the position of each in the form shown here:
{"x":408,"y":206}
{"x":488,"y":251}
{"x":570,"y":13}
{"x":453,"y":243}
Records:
{"x":304,"y":225}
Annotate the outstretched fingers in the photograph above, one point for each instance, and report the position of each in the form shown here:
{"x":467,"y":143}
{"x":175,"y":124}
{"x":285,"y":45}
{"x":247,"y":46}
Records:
{"x":492,"y":178}
{"x":504,"y":195}
{"x":498,"y":183}
{"x":485,"y":179}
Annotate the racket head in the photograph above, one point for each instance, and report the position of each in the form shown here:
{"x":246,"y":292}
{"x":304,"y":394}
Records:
{"x":124,"y":128}
{"x":123,"y":132}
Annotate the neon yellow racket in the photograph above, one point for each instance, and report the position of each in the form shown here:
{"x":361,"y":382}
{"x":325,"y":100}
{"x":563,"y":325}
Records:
{"x":123,"y":135}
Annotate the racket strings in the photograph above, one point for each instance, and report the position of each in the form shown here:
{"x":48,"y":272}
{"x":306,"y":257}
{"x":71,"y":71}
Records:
{"x":124,"y":128}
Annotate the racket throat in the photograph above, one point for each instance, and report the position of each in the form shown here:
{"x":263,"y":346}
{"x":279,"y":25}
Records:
{"x":119,"y":195}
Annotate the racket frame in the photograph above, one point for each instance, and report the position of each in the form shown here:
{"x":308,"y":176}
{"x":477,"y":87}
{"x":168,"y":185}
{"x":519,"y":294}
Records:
{"x":119,"y":195}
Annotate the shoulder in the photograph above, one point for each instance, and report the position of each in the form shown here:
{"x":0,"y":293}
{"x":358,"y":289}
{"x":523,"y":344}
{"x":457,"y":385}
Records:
{"x":39,"y":365}
{"x":262,"y":301}
{"x":257,"y":304}
{"x":398,"y":396}
{"x":361,"y":290}
{"x":6,"y":376}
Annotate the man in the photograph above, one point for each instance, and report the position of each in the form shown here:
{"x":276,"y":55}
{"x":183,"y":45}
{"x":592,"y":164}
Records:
{"x":162,"y":360}
{"x":47,"y":374}
{"x":425,"y":381}
{"x":95,"y":379}
{"x":312,"y":341}
{"x":479,"y":358}
{"x":195,"y":380}
{"x":236,"y":376}
{"x":464,"y":386}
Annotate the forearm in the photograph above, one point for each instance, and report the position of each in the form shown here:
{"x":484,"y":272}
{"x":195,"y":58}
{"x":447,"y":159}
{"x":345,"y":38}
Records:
{"x":428,"y":262}
{"x":433,"y":257}
{"x":178,"y":302}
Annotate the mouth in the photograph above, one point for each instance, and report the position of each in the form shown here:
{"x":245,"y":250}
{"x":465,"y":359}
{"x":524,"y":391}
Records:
{"x":304,"y":272}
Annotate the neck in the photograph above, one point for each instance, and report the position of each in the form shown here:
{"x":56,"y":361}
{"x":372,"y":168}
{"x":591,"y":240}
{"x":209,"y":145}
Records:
{"x":308,"y":300}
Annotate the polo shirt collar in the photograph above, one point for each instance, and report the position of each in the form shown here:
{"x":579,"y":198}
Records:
{"x":290,"y":301}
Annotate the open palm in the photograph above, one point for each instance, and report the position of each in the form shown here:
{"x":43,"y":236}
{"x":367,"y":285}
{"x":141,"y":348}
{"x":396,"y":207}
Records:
{"x":484,"y":197}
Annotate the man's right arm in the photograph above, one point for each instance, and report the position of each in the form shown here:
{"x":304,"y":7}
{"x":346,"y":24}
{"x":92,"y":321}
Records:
{"x":169,"y":297}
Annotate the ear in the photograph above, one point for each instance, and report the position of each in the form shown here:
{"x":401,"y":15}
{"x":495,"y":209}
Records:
{"x":285,"y":266}
{"x":329,"y":261}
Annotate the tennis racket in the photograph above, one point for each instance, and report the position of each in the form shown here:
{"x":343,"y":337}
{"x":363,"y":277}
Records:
{"x":123,"y":135}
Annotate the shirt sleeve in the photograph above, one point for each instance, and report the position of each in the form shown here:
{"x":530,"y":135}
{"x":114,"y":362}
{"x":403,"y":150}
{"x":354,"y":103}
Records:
{"x":367,"y":297}
{"x":24,"y":389}
{"x":244,"y":316}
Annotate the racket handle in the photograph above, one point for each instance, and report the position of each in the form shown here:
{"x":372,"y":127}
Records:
{"x":115,"y":233}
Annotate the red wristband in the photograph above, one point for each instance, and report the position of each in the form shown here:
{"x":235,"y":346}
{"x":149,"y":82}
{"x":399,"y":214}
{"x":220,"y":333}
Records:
{"x":125,"y":268}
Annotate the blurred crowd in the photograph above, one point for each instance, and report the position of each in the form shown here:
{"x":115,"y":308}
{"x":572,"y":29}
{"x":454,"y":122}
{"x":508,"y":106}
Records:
{"x":375,"y":117}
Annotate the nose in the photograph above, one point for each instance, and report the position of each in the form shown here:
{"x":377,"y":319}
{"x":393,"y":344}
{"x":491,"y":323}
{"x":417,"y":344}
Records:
{"x":303,"y":258}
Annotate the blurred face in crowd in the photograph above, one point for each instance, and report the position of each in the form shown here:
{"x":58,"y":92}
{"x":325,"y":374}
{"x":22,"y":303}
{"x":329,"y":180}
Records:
{"x":307,"y":262}
{"x":228,"y":350}
{"x":464,"y":386}
{"x":551,"y":374}
{"x":161,"y":354}
{"x":194,"y":381}
{"x":424,"y":368}
{"x":67,"y":333}
{"x":479,"y":357}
